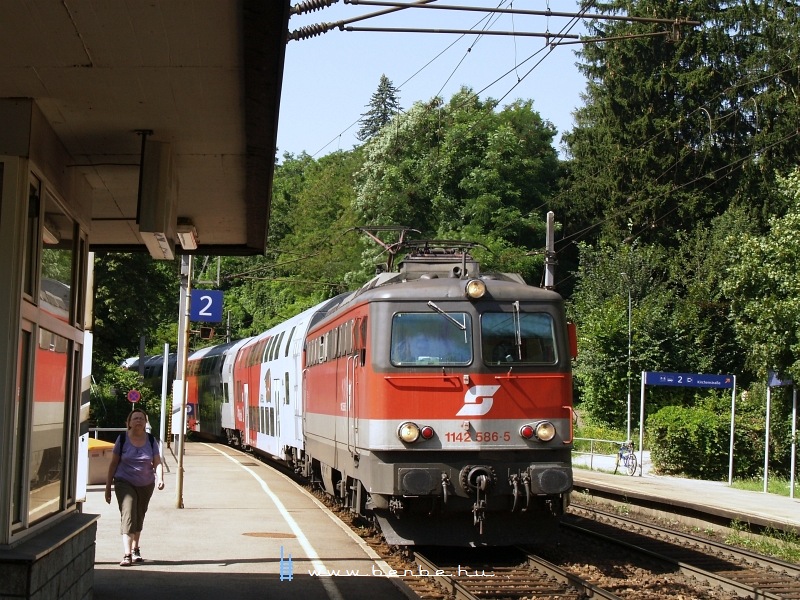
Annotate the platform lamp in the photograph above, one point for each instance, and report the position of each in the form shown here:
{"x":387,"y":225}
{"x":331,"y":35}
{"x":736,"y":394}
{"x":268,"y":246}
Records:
{"x":187,"y":234}
{"x":628,"y":282}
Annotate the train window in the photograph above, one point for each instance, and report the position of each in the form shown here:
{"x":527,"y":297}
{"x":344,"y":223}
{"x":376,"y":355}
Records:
{"x":289,"y":341}
{"x":270,"y":346}
{"x":421,"y":339}
{"x":277,"y":348}
{"x":518,"y":337}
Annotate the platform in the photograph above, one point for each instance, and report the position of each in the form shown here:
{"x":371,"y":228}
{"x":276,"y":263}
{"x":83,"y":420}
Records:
{"x":714,"y":497}
{"x":245,"y":532}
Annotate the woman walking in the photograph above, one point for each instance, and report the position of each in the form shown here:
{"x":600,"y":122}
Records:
{"x":135,"y":460}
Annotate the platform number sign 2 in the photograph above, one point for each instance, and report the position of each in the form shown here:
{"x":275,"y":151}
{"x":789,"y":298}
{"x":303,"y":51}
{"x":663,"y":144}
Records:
{"x":206,"y":306}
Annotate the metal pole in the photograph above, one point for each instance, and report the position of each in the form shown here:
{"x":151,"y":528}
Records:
{"x":794,"y":441}
{"x":550,"y":252}
{"x":629,"y":360}
{"x":162,"y":429}
{"x":733,"y":421}
{"x":628,"y":429}
{"x":183,"y":357}
{"x":641,"y":429}
{"x":766,"y":438}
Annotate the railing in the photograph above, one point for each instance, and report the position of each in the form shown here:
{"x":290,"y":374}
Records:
{"x":148,"y":429}
{"x":96,"y":430}
{"x":592,"y":447}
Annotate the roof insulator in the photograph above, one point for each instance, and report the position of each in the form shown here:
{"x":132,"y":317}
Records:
{"x":310,"y":6}
{"x":310,"y":31}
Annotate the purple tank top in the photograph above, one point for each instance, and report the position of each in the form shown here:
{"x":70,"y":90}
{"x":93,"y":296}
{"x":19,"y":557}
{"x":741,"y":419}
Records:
{"x":136,"y":463}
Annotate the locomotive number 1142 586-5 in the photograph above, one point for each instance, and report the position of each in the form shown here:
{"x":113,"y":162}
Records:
{"x":478,"y":436}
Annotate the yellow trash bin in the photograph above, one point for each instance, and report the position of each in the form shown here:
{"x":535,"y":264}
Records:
{"x":100,"y":453}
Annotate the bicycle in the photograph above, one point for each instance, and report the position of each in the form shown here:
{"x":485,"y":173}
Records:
{"x":627,"y":458}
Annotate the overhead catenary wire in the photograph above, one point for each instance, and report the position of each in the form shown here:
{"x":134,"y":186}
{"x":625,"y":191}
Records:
{"x":522,"y":11}
{"x":477,"y":32}
{"x":561,"y":36}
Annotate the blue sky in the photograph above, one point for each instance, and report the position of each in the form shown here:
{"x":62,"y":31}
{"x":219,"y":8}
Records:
{"x":329,"y":79}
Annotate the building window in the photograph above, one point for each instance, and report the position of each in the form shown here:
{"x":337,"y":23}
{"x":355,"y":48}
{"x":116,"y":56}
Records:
{"x":49,"y":361}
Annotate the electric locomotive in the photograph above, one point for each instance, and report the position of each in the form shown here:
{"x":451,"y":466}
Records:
{"x":436,"y":400}
{"x":439,"y":400}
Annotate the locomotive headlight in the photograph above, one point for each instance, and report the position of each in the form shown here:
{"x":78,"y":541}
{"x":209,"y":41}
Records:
{"x":408,"y":432}
{"x":545,"y":431}
{"x":475,"y":289}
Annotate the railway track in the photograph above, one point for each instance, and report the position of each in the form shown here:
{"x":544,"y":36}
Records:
{"x":743,"y":573}
{"x":623,"y":560}
{"x":532,"y":577}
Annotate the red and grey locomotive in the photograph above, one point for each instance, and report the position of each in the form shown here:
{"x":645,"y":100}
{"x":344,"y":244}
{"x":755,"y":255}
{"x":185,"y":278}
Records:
{"x":436,"y":399}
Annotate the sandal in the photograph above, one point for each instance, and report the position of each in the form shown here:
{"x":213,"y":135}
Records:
{"x":137,"y":555}
{"x":126,"y":561}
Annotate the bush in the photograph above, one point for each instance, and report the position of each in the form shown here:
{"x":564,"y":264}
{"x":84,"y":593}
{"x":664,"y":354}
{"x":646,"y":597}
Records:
{"x":690,"y":441}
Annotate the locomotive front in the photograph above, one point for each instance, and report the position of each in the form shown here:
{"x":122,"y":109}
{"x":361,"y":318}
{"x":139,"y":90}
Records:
{"x":464,"y":413}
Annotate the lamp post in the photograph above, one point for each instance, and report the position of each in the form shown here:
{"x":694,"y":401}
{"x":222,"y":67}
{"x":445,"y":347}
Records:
{"x":628,"y":281}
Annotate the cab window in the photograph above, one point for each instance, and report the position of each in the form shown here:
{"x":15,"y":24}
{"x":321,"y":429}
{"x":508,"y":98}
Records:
{"x":423,"y":339}
{"x":517,"y":337}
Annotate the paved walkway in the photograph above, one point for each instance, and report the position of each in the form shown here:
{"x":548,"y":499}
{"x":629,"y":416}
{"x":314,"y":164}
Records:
{"x":716,"y":497}
{"x":245,"y":532}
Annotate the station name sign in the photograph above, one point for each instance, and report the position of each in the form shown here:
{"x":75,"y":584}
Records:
{"x":688,"y":380}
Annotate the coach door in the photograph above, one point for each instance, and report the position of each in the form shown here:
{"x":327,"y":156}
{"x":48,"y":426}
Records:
{"x":353,"y":342}
{"x":246,"y":405}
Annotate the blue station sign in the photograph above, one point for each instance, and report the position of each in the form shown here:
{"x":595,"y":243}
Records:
{"x":688,"y":380}
{"x":206,"y":306}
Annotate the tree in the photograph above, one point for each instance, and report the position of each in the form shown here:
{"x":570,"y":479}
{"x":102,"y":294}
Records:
{"x":383,"y":106}
{"x":677,"y":129}
{"x":764,"y":286}
{"x":134,"y":296}
{"x":465,"y":170}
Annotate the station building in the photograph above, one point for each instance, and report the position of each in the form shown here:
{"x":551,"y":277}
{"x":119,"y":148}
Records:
{"x":124,"y":126}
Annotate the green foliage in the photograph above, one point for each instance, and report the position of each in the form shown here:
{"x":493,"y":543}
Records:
{"x":134,"y":296}
{"x":109,"y":405}
{"x":463,"y":170}
{"x":675,"y":131}
{"x":784,"y":545}
{"x":689,"y":441}
{"x":764,"y":285}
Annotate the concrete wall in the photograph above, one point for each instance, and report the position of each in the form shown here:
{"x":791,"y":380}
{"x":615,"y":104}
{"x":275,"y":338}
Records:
{"x":59,"y":564}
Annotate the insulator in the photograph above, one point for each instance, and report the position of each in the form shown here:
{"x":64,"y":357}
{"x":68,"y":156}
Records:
{"x":310,"y":31}
{"x":310,"y":6}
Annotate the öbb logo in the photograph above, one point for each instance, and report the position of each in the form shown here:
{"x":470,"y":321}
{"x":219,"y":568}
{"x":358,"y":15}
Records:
{"x":478,"y":401}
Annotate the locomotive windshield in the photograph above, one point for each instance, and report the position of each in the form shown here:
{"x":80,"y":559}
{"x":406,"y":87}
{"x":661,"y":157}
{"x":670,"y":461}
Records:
{"x":517,"y":337}
{"x":431,"y":339}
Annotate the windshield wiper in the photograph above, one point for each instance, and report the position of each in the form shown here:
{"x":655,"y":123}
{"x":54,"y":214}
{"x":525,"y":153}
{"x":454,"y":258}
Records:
{"x":444,"y":314}
{"x":518,"y":329}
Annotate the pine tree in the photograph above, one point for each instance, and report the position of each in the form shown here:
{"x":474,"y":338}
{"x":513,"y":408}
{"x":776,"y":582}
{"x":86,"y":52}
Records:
{"x":677,"y":129}
{"x":382,"y":106}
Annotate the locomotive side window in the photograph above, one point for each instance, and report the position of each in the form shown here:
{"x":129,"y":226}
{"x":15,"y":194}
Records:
{"x":523,"y":338}
{"x":421,"y":339}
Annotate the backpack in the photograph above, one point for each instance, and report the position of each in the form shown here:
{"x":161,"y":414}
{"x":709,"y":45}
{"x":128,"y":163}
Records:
{"x":150,"y":436}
